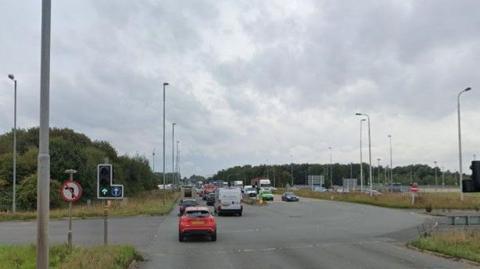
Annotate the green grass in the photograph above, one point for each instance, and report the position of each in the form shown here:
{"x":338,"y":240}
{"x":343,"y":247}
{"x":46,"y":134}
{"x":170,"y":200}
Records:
{"x":401,"y":200}
{"x":459,"y":244}
{"x":148,"y":203}
{"x":109,"y":257}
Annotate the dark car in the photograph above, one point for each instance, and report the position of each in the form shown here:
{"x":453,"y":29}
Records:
{"x":184,"y":203}
{"x":289,"y":197}
{"x":210,"y":199}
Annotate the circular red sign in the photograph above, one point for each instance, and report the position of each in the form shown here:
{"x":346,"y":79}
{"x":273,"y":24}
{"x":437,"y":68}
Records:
{"x":71,"y":191}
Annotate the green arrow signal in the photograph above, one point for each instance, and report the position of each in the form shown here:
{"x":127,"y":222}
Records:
{"x":104,"y":191}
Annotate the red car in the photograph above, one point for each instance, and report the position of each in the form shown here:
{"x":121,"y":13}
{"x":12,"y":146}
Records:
{"x":197,"y":221}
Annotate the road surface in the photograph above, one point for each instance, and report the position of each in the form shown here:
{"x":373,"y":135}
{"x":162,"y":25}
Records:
{"x":307,"y":234}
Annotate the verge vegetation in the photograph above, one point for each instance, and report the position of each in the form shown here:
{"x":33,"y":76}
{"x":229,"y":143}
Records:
{"x":61,"y":257}
{"x":459,"y":244}
{"x":146,"y":203}
{"x":401,"y":200}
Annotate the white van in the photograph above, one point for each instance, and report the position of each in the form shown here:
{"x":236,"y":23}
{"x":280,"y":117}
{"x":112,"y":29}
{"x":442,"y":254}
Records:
{"x":228,"y":200}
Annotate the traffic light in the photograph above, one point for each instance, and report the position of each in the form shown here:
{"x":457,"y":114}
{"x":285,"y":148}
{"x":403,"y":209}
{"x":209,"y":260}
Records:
{"x":105,"y":187}
{"x":473,"y":184}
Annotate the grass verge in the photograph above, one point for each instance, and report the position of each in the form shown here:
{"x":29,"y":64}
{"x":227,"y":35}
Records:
{"x":105,"y":257}
{"x":401,"y":200}
{"x":458,"y":244}
{"x":148,"y":203}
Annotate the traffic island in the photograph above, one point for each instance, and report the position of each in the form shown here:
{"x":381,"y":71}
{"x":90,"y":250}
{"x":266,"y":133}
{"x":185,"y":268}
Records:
{"x":458,"y":244}
{"x":61,"y":256}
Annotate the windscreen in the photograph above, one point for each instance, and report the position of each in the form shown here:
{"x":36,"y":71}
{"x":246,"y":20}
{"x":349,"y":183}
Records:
{"x":197,"y":213}
{"x":189,"y":203}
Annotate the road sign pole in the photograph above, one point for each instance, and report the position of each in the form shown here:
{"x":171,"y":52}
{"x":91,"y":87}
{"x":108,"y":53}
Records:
{"x":69,"y":234}
{"x":105,"y":223}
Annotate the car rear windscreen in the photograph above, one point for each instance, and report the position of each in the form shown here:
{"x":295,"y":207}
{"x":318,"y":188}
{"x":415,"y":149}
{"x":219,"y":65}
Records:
{"x":197,"y":213}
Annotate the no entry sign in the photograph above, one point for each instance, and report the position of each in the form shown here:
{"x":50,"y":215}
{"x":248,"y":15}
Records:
{"x":71,"y":191}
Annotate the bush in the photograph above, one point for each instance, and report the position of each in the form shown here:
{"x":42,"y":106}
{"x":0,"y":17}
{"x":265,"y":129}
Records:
{"x":27,"y":193}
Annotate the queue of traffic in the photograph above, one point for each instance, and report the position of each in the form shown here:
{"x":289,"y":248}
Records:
{"x":220,"y":199}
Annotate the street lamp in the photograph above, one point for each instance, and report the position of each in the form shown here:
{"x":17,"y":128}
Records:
{"x":443,"y":177}
{"x":369,"y":151}
{"x":291,"y":170}
{"x":43,"y":177}
{"x":14,"y":195}
{"x":177,"y":168}
{"x":331,"y":167}
{"x":378,"y":170}
{"x":153,"y":161}
{"x":164,"y":185}
{"x":391,"y":160}
{"x":173,"y":152}
{"x":361,"y":156}
{"x":460,"y":142}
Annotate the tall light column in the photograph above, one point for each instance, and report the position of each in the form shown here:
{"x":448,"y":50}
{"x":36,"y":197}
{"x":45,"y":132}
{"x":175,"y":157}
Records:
{"x":177,"y":172}
{"x":391,"y":161}
{"x":331,"y":167}
{"x":460,"y":143}
{"x":43,"y":180}
{"x":164,"y":181}
{"x":443,"y":177}
{"x":173,"y":152}
{"x":361,"y":155}
{"x":14,"y":195}
{"x":153,"y":161}
{"x":369,"y":152}
{"x":378,"y":170}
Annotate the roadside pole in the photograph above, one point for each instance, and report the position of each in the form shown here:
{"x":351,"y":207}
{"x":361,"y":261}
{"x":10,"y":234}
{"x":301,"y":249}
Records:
{"x":69,"y":234}
{"x":71,"y":191}
{"x":105,"y":223}
{"x":43,"y":181}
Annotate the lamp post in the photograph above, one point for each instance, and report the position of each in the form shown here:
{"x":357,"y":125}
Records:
{"x":460,"y":143}
{"x":177,"y":168}
{"x":378,"y":170}
{"x":43,"y":180}
{"x":164,"y":185}
{"x":153,"y":161}
{"x":443,"y":177}
{"x":361,"y":156}
{"x":369,"y":151}
{"x":391,"y":160}
{"x":14,"y":195}
{"x":173,"y":152}
{"x":331,"y":167}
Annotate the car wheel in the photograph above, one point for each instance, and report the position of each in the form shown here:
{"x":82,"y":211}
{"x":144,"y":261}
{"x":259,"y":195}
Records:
{"x":214,"y":236}
{"x":180,"y":237}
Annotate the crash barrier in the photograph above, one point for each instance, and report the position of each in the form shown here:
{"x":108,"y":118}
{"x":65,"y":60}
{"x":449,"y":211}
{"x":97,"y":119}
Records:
{"x":463,"y":220}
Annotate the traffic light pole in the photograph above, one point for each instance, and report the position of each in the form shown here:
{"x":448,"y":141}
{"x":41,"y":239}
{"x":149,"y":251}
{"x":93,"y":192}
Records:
{"x":105,"y":223}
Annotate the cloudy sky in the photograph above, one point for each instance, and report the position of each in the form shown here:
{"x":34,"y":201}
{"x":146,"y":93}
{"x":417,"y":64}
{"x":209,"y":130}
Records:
{"x":252,"y":81}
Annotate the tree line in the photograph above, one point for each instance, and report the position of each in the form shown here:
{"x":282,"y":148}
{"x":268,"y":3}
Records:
{"x":298,"y":173}
{"x":68,"y":150}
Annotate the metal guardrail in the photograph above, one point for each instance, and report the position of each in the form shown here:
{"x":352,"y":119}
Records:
{"x":463,"y":220}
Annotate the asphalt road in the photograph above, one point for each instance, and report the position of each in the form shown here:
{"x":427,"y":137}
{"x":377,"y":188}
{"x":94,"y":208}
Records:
{"x":307,"y":234}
